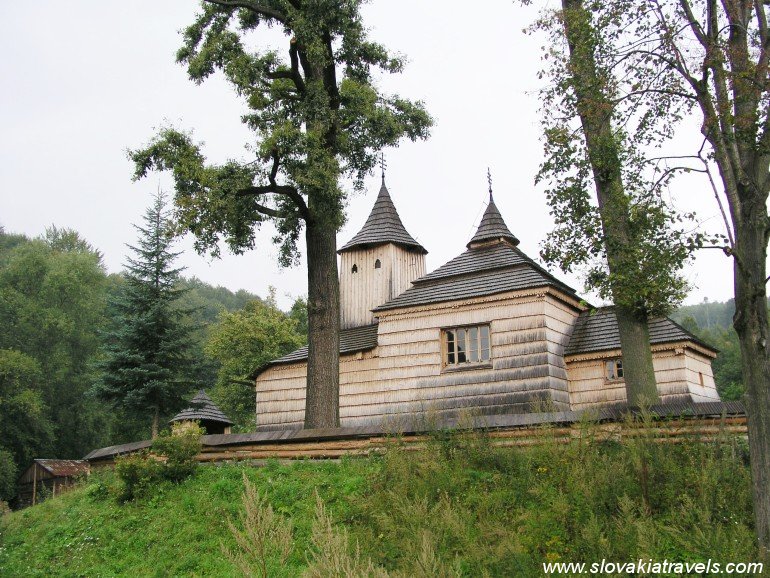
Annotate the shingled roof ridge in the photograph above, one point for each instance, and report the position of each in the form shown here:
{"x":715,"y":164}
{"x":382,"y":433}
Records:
{"x":492,"y":226}
{"x":383,"y":226}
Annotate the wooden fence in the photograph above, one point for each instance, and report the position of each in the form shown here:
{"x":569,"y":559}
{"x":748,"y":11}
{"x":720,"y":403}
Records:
{"x":664,"y":424}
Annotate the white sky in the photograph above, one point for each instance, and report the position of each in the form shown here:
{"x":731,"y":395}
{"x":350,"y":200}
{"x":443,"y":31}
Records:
{"x":82,"y":81}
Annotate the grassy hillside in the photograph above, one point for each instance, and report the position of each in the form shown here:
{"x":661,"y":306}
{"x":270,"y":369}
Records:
{"x":459,"y":508}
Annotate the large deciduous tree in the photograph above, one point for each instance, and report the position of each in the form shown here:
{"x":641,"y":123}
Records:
{"x":146,"y":364}
{"x":27,"y":430}
{"x":674,"y":57}
{"x":317,"y":118}
{"x":624,"y":235}
{"x":52,"y":296}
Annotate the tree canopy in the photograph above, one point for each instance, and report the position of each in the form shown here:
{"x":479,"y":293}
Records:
{"x":317,"y":118}
{"x":663,"y":60}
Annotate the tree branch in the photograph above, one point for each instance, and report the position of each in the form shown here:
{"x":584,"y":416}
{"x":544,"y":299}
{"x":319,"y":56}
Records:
{"x":296,"y":76}
{"x":254,"y":7}
{"x":716,"y":195}
{"x":270,"y":212}
{"x":277,"y":189}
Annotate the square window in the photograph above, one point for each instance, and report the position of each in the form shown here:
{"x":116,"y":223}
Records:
{"x":466,"y":346}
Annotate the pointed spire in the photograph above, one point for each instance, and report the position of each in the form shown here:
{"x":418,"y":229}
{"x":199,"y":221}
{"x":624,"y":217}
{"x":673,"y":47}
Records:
{"x":492,"y":226}
{"x":383,"y":226}
{"x":383,"y":166}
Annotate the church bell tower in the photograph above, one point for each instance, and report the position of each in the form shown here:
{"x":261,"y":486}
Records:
{"x":378,"y":263}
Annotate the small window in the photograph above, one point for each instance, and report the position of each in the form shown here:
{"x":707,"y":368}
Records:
{"x":614,"y":370}
{"x":354,"y":269}
{"x":466,"y":345}
{"x":377,"y":264}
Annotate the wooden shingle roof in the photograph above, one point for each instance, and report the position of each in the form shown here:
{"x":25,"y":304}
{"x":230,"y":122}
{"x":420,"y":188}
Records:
{"x":492,"y":226}
{"x":352,"y":340}
{"x":597,"y":330}
{"x":383,"y":226}
{"x":477,"y":272}
{"x":203,"y":409}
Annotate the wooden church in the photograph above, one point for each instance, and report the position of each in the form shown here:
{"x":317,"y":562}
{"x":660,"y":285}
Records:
{"x":489,"y":332}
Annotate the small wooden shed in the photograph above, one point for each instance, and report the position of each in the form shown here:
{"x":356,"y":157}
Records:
{"x":48,"y":477}
{"x":206,"y":413}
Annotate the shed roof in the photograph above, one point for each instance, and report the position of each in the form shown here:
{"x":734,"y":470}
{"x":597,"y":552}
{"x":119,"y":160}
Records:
{"x":492,"y":226}
{"x":63,"y":468}
{"x":383,"y":226}
{"x":597,"y":330}
{"x":203,"y":409}
{"x":351,"y":341}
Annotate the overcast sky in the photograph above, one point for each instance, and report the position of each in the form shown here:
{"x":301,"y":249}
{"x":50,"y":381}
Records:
{"x":82,"y":81}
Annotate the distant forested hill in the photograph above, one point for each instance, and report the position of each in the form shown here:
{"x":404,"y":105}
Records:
{"x":54,"y":291}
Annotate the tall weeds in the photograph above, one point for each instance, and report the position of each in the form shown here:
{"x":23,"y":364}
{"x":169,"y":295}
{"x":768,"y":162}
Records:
{"x":464,"y":507}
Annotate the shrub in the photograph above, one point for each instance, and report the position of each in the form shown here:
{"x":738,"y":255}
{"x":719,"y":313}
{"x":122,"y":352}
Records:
{"x":138,"y":473}
{"x":179,"y":448}
{"x":172,"y":459}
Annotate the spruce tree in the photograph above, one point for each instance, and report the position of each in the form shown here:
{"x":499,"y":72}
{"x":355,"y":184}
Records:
{"x":146,"y":352}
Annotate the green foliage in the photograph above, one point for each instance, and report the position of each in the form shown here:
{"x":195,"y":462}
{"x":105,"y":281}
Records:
{"x":264,"y":538}
{"x":298,"y":312}
{"x":317,"y":117}
{"x":146,"y":365}
{"x":8,"y":476}
{"x":26,"y":428}
{"x":179,"y":448}
{"x":171,"y":459}
{"x":240,"y":343}
{"x":52,"y":295}
{"x":632,"y":246}
{"x":461,"y":506}
{"x":139,"y":475}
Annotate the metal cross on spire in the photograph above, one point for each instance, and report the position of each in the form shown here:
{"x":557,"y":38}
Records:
{"x":383,"y":166}
{"x":489,"y":180}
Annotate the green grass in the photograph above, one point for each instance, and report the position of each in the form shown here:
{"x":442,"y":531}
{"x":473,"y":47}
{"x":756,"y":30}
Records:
{"x":460,"y":507}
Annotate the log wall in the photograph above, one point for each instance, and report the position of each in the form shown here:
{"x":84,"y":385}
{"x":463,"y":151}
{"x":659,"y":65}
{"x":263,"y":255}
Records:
{"x":404,"y":375}
{"x":712,"y":424}
{"x":679,"y":369}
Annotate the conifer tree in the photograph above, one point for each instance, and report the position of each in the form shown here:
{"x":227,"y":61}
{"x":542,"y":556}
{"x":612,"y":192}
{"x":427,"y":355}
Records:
{"x":146,"y":357}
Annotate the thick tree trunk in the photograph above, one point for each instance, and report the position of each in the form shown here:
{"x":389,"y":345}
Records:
{"x":638,"y":371}
{"x":595,"y":112}
{"x":751,"y":324}
{"x":323,"y":308}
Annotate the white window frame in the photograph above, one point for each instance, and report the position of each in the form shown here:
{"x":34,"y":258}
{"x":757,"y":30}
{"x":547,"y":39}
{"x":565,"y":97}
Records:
{"x":476,"y":351}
